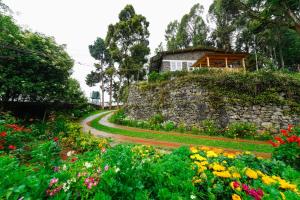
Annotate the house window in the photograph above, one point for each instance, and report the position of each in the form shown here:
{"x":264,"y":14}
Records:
{"x":176,"y":65}
{"x":189,"y":66}
{"x":173,"y":66}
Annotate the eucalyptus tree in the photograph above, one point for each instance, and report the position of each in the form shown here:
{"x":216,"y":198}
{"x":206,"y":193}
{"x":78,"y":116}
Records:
{"x":223,"y":13}
{"x":99,"y":51}
{"x":191,"y":31}
{"x":171,"y":35}
{"x":110,"y":73}
{"x":128,"y":43}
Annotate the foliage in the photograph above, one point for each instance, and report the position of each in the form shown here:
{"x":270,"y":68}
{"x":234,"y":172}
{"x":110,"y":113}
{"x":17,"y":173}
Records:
{"x":41,"y":55}
{"x":252,"y":88}
{"x":241,"y":130}
{"x":221,"y":175}
{"x":128,"y":43}
{"x":209,"y":127}
{"x":190,"y":31}
{"x":287,"y":147}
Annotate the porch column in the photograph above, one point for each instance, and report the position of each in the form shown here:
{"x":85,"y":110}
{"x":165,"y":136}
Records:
{"x":243,"y":63}
{"x":226,"y":63}
{"x":207,"y":59}
{"x":200,"y":65}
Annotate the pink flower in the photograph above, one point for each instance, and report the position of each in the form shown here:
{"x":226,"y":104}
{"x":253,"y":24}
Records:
{"x":53,"y":181}
{"x":106,"y":167}
{"x":103,"y":150}
{"x":12,"y":147}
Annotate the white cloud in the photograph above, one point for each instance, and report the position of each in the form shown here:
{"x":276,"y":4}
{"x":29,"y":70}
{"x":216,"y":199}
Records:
{"x":77,"y":23}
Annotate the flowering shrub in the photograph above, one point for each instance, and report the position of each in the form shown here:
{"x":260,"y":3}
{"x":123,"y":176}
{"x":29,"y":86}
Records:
{"x":287,"y":146}
{"x":241,"y":176}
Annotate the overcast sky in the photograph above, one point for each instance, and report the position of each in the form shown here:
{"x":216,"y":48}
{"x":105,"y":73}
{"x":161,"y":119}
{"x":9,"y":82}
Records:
{"x":77,"y":23}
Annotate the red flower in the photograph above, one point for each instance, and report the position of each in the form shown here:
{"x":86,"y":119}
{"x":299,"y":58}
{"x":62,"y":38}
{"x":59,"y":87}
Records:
{"x":236,"y":184}
{"x":293,"y":138}
{"x":273,"y":143}
{"x":12,"y":147}
{"x":55,"y":139}
{"x":3,"y":134}
{"x":15,"y":127}
{"x":284,"y":132}
{"x":1,"y":147}
{"x":279,"y":139}
{"x":290,"y":127}
{"x":74,"y":159}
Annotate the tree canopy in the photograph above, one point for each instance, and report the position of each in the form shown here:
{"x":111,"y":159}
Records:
{"x":128,"y":42}
{"x":33,"y":67}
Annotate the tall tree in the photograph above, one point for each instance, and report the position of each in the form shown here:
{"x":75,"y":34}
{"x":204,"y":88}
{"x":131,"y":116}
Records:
{"x":223,"y":14}
{"x":171,"y":35}
{"x":110,"y":73}
{"x":128,"y":43}
{"x":100,"y":52}
{"x":190,"y":32}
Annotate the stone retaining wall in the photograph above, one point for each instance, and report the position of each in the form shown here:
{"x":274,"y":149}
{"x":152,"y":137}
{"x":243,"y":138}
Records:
{"x":190,"y":104}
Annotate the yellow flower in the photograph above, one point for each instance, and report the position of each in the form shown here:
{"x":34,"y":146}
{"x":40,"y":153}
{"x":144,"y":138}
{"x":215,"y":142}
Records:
{"x":201,"y":169}
{"x":204,"y":148}
{"x":223,"y":174}
{"x":197,"y":157}
{"x":282,"y":196}
{"x":286,"y":185}
{"x":194,"y":150}
{"x":218,"y":167}
{"x":211,"y":154}
{"x":251,"y":173}
{"x":236,"y":175}
{"x":204,"y":163}
{"x":268,"y":180}
{"x":236,"y":197}
{"x":260,"y":173}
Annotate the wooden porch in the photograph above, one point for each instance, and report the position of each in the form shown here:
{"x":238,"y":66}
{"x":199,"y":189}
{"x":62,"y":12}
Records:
{"x":230,"y":62}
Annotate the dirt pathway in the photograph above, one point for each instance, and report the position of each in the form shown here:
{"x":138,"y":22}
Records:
{"x":127,"y":139}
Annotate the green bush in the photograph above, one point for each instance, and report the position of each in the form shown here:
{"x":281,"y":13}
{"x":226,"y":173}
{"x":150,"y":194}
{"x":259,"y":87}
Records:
{"x":241,"y":130}
{"x":156,"y":119}
{"x":209,"y":127}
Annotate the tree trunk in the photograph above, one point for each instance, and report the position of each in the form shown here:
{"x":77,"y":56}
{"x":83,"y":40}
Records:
{"x":102,"y":91}
{"x":100,"y":97}
{"x":110,"y":92}
{"x":281,"y":57}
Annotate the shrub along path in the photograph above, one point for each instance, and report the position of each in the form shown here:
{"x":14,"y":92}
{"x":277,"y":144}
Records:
{"x":98,"y":125}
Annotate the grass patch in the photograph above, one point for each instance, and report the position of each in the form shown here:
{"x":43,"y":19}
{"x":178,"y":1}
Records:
{"x":244,"y":146}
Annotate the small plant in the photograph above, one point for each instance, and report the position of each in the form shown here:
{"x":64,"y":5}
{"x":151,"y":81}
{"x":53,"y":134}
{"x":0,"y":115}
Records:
{"x":182,"y":127}
{"x":241,"y":130}
{"x":169,"y":126}
{"x":287,"y":146}
{"x":209,"y":127}
{"x":156,"y":119}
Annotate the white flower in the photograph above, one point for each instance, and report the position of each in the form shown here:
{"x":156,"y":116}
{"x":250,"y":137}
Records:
{"x":64,"y":167}
{"x":66,"y":187}
{"x":117,"y":169}
{"x":87,"y":164}
{"x":70,"y":153}
{"x":193,"y":196}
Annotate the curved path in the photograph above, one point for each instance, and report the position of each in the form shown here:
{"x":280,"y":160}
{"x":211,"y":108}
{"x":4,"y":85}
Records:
{"x":127,"y":139}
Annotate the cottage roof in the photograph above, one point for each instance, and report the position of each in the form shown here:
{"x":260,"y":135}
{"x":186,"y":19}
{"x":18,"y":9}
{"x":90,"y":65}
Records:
{"x":155,"y":61}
